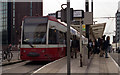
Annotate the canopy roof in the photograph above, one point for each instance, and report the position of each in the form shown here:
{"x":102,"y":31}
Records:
{"x":97,"y":29}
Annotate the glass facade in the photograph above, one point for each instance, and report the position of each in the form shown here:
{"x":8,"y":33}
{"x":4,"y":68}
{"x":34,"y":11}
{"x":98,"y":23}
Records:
{"x":1,"y":17}
{"x":31,"y":8}
{"x":13,"y":14}
{"x":13,"y":23}
{"x":4,"y":26}
{"x":4,"y":23}
{"x":118,"y":26}
{"x":8,"y":24}
{"x":0,"y":25}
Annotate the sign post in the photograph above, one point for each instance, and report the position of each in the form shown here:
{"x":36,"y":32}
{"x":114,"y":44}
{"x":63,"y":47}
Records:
{"x":74,"y":13}
{"x":81,"y":52}
{"x":68,"y":37}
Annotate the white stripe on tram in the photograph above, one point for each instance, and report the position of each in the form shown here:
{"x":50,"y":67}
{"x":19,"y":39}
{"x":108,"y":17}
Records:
{"x":43,"y":46}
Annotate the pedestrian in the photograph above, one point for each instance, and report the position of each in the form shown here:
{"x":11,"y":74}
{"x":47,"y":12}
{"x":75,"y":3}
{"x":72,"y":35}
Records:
{"x":98,"y":45}
{"x":90,"y":46}
{"x":119,"y":49}
{"x":75,"y":46}
{"x":107,"y":44}
{"x":113,"y":50}
{"x":71,"y":45}
{"x":94,"y":50}
{"x":102,"y":46}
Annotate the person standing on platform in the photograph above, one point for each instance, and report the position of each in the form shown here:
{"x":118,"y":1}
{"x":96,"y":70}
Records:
{"x":75,"y":47}
{"x":90,"y":46}
{"x":107,"y":44}
{"x":102,"y":46}
{"x":98,"y":46}
{"x":94,"y":51}
{"x":71,"y":45}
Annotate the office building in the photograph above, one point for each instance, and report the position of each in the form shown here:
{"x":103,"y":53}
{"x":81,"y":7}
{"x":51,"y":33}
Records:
{"x":118,"y":24}
{"x":11,"y":17}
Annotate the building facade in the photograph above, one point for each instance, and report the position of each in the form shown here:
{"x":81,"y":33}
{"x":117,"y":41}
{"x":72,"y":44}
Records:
{"x":11,"y":17}
{"x":117,"y":26}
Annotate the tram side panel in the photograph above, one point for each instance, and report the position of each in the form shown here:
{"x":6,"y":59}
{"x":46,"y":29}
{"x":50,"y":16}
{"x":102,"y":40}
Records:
{"x":42,"y":54}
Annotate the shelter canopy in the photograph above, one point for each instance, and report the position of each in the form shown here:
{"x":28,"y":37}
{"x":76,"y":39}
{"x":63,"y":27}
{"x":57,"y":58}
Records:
{"x":96,"y":30}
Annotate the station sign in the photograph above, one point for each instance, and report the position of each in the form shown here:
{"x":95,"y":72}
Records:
{"x":58,"y":14}
{"x":88,"y":18}
{"x":62,"y":14}
{"x":76,"y":14}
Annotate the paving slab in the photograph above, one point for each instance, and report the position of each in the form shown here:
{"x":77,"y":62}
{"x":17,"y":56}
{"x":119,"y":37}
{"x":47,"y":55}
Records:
{"x":98,"y":65}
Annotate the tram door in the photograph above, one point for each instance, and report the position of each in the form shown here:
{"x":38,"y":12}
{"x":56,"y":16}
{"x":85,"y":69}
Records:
{"x":61,"y":41}
{"x":53,"y":42}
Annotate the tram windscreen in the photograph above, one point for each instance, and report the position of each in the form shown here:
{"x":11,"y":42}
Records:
{"x":34,"y":33}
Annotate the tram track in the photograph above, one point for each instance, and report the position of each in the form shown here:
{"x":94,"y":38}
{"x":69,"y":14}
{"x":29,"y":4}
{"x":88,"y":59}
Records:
{"x":22,"y":68}
{"x":31,"y":71}
{"x":116,"y":57}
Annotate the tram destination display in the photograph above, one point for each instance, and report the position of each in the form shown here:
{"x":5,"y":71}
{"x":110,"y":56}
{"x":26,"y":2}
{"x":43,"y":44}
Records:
{"x":36,"y":20}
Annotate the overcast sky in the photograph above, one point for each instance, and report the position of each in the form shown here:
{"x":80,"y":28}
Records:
{"x":102,"y":8}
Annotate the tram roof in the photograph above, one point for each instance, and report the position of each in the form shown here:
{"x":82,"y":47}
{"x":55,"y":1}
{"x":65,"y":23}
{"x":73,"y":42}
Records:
{"x":73,"y":30}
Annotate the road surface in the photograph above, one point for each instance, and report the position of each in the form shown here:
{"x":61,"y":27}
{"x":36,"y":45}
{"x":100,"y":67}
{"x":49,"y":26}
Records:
{"x":25,"y":67}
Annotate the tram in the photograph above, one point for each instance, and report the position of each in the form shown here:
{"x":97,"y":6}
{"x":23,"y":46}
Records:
{"x":43,"y":38}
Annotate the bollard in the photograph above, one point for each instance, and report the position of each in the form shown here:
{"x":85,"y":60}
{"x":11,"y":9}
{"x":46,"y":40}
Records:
{"x":81,"y":64}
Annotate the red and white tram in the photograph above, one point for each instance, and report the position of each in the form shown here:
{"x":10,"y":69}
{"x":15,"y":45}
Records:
{"x":43,"y":39}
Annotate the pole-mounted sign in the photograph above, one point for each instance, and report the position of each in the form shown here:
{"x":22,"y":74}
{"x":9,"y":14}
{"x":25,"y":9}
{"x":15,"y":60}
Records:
{"x":78,"y":14}
{"x":58,"y":14}
{"x":73,"y":14}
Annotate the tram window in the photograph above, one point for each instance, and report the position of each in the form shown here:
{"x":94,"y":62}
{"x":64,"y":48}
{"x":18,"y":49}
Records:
{"x":61,"y":38}
{"x":34,"y":34}
{"x":52,"y":36}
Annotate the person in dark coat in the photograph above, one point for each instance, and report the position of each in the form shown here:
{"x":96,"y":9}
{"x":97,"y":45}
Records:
{"x":90,"y":46}
{"x":102,"y":46}
{"x":75,"y":47}
{"x":107,"y":44}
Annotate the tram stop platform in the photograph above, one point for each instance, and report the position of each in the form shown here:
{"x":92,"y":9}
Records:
{"x":97,"y":65}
